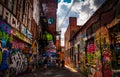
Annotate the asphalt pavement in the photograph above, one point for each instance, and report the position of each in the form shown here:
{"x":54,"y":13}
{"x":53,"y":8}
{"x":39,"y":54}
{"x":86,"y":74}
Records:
{"x":53,"y":72}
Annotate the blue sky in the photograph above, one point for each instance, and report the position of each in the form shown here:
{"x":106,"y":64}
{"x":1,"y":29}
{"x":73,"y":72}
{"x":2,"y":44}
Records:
{"x":81,"y":9}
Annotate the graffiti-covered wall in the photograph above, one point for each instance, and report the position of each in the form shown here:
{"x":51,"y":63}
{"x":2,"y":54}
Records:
{"x":19,"y":62}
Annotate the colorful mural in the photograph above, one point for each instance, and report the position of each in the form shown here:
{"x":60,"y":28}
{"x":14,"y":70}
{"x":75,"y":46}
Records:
{"x":5,"y":32}
{"x":18,"y":63}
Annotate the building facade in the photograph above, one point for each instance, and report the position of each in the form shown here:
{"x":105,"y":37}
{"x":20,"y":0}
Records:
{"x":18,"y":31}
{"x":101,"y":42}
{"x":71,"y":30}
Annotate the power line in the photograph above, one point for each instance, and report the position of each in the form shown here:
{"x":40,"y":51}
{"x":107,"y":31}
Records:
{"x":67,"y":13}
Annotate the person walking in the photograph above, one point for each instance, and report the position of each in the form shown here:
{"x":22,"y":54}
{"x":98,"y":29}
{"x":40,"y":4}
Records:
{"x":45,"y":63}
{"x":63,"y":63}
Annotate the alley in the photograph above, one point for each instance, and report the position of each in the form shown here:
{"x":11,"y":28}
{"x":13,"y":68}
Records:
{"x":81,"y":35}
{"x":53,"y":72}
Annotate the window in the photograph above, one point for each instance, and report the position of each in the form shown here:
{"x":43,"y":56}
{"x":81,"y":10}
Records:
{"x":11,"y":4}
{"x":90,"y":31}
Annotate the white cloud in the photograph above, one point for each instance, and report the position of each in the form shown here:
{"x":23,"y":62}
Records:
{"x":82,"y":18}
{"x":62,"y":36}
{"x":82,"y":9}
{"x":63,"y":8}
